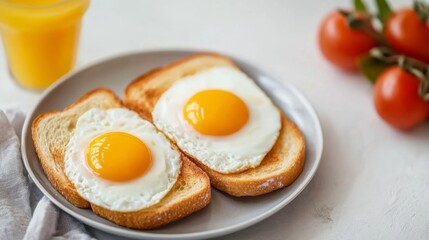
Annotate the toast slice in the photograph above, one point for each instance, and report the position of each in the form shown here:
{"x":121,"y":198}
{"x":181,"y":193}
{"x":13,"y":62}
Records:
{"x":51,"y":133}
{"x":280,"y":167}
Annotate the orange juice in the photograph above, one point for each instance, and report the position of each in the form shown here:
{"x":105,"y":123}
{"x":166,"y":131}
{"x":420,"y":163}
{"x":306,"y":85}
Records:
{"x":40,"y":38}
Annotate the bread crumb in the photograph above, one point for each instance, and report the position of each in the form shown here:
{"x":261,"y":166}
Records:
{"x":266,"y":184}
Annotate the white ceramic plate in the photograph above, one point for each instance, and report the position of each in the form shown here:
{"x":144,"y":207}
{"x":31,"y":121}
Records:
{"x":224,"y":214}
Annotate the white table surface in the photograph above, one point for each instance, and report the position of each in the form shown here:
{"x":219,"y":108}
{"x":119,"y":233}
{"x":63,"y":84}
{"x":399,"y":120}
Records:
{"x":373,"y":181}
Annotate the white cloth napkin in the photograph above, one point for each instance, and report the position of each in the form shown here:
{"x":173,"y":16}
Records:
{"x":24,"y":212}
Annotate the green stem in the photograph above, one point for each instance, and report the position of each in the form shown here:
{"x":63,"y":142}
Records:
{"x":422,"y":10}
{"x":363,"y":23}
{"x":415,"y":67}
{"x":386,"y":55}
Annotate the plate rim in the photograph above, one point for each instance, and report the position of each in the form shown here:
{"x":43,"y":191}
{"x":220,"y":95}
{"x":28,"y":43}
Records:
{"x":139,"y":233}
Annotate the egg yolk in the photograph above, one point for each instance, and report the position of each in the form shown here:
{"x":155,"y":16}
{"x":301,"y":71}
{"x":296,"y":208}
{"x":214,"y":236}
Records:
{"x":118,"y":156}
{"x":216,"y":112}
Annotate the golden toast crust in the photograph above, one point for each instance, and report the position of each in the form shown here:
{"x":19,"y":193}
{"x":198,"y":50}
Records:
{"x":168,"y":210}
{"x":280,"y":167}
{"x":190,"y":193}
{"x":51,"y":155}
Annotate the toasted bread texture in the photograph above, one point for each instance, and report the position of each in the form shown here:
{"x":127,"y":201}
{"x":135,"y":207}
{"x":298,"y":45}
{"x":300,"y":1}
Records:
{"x":51,"y":133}
{"x":280,"y":167}
{"x":189,"y":194}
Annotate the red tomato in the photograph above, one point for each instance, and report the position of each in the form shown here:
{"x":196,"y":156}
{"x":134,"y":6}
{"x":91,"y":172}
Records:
{"x":396,"y":98}
{"x":407,"y":34}
{"x":341,"y":45}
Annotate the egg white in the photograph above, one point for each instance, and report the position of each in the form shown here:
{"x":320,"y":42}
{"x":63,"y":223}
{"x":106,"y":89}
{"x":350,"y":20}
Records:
{"x":133,"y":195}
{"x":239,"y":151}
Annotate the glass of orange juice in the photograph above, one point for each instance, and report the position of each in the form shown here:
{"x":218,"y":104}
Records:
{"x":40,"y":38}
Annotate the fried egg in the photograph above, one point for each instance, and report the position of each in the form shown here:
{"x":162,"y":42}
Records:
{"x":119,"y":161}
{"x":219,"y":117}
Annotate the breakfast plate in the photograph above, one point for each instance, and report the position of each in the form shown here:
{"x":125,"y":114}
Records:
{"x":224,"y":214}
